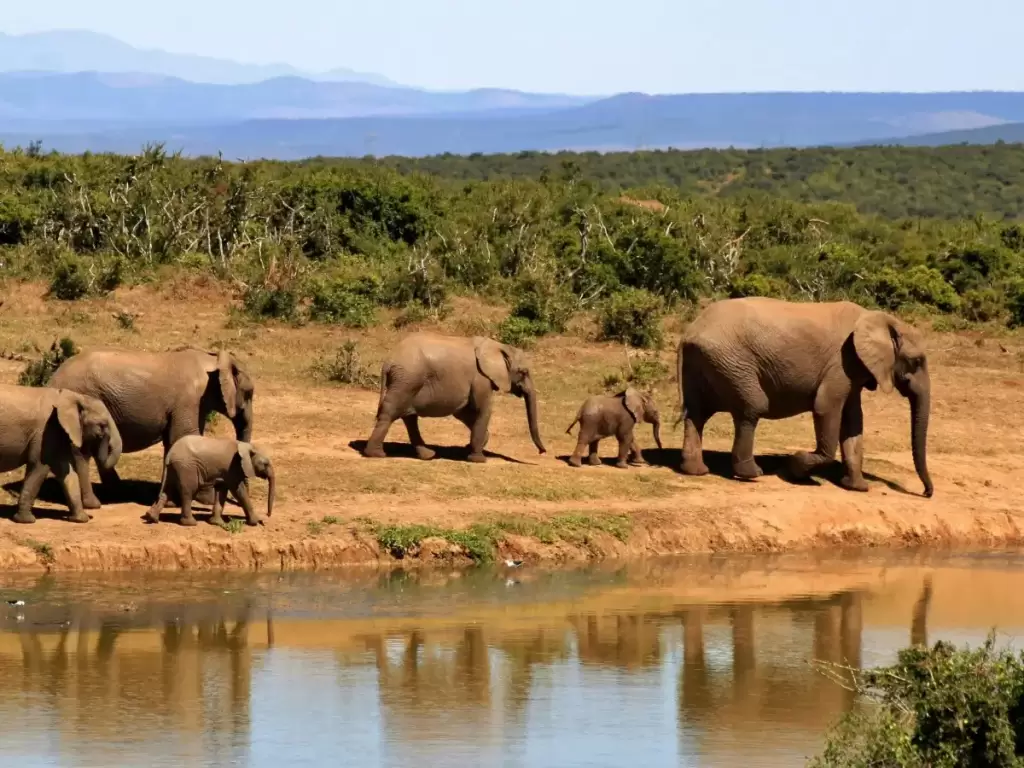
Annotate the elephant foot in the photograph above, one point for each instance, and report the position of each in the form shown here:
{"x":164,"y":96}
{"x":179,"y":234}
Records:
{"x":90,"y":501}
{"x":621,"y":465}
{"x":594,"y":460}
{"x":575,"y":461}
{"x":424,"y":453}
{"x":854,"y":483}
{"x":217,"y":520}
{"x":638,"y":462}
{"x":81,"y":517}
{"x":747,"y":470}
{"x":476,"y":458}
{"x":188,"y":522}
{"x":25,"y":518}
{"x":255,"y":521}
{"x":151,"y":516}
{"x":696,"y":468}
{"x":374,"y":452}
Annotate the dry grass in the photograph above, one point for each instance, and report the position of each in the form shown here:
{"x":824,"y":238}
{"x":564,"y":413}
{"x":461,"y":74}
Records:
{"x":309,"y":426}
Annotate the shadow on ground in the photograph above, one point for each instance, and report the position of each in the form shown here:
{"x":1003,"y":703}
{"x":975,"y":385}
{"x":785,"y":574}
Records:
{"x":442,"y":452}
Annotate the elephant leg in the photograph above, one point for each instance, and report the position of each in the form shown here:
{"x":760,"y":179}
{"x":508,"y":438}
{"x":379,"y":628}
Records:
{"x":625,"y":444}
{"x":220,"y":497}
{"x":693,"y":443}
{"x":582,"y":441}
{"x":594,"y":458}
{"x":251,"y":518}
{"x":743,"y":465}
{"x":89,"y":500}
{"x":34,"y":477}
{"x":186,"y":507}
{"x":180,"y":427}
{"x":635,"y":457}
{"x":851,"y":437}
{"x":412,"y":426}
{"x":72,"y":492}
{"x":479,"y":434}
{"x":826,"y":433}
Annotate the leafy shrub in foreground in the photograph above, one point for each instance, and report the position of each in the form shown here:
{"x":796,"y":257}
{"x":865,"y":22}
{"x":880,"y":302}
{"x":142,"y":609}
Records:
{"x":633,"y":317}
{"x":37,"y":374}
{"x":936,"y":708}
{"x":350,"y":302}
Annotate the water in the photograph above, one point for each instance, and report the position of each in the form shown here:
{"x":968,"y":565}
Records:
{"x":702,"y":662}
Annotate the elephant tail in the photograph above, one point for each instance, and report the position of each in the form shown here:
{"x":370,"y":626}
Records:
{"x":679,"y":384}
{"x":568,"y":430}
{"x":385,"y":369}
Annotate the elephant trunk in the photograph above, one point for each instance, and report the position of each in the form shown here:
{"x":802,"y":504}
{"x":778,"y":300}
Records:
{"x":272,"y":482}
{"x":657,"y":433}
{"x":109,"y":451}
{"x":530,"y":397}
{"x":919,"y":394}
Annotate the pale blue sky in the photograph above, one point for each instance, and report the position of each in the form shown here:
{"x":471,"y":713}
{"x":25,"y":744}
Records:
{"x":585,"y":46}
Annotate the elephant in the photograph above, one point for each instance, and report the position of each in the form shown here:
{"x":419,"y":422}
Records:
{"x":43,"y":429}
{"x":434,"y":375}
{"x":602,"y":416}
{"x":199,"y":461}
{"x":158,"y":396}
{"x":760,"y":358}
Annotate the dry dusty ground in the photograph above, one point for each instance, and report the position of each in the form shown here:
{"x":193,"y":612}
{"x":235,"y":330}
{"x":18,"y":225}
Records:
{"x":330,"y":498}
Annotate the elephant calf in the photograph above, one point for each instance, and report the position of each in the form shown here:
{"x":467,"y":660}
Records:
{"x":42,"y":429}
{"x":602,"y":416}
{"x":197,"y":462}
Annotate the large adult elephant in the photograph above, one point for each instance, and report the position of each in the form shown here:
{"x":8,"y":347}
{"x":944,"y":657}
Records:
{"x":759,"y":358}
{"x":158,"y":397}
{"x":433,"y":375}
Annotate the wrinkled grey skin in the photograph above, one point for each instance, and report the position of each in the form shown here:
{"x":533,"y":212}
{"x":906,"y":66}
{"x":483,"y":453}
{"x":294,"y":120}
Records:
{"x":759,"y":358}
{"x":41,"y":429}
{"x":158,"y":397}
{"x":603,"y":416}
{"x":223,"y":464}
{"x":433,"y":375}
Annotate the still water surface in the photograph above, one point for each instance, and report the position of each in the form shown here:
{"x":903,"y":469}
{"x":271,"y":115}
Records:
{"x":702,"y":662}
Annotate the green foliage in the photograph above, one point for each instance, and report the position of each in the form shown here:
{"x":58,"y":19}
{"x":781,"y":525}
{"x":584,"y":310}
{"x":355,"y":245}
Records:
{"x":630,"y":234}
{"x":38,"y":373}
{"x":633,"y":316}
{"x":234,"y":526}
{"x":941,"y":707}
{"x":352,"y":303}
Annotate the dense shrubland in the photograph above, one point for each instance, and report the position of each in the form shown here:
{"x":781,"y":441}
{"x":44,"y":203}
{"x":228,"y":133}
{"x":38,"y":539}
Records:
{"x":335,"y":242}
{"x":939,"y":707}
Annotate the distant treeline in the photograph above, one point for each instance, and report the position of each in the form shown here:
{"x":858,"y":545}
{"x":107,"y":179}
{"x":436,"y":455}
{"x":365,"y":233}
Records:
{"x":896,"y":182}
{"x":335,"y":241}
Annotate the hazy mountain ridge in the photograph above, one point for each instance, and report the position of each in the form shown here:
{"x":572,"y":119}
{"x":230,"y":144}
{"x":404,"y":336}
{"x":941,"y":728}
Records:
{"x":625,"y":121}
{"x":85,"y":51}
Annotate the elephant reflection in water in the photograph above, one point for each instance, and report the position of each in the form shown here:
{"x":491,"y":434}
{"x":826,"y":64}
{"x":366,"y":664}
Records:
{"x":159,"y":680}
{"x":460,"y":686}
{"x":629,"y":641}
{"x":762,"y":691}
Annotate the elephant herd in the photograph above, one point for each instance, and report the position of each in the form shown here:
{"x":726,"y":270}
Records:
{"x":754,"y":358}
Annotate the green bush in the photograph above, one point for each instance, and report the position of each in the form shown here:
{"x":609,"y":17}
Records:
{"x":756,"y":285}
{"x":520,"y":331}
{"x":70,"y":279}
{"x":349,"y":302}
{"x":936,"y":708}
{"x":347,"y":367}
{"x":896,"y":290}
{"x":633,"y":317}
{"x":38,"y":373}
{"x":981,"y":305}
{"x":263,"y":302}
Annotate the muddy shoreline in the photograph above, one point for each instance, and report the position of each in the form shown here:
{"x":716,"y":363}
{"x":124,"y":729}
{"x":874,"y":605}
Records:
{"x":834,"y":523}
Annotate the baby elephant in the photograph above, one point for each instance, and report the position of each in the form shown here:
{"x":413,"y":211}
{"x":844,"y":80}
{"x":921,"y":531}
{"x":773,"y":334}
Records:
{"x":604,"y":415}
{"x":196,"y":462}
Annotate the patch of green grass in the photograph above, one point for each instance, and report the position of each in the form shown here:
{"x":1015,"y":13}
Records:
{"x":234,"y":526}
{"x":42,"y":549}
{"x":316,"y":527}
{"x":480,"y":540}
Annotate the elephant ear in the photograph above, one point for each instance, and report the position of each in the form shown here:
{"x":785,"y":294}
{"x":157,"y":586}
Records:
{"x":69,"y":416}
{"x":634,"y":403}
{"x":245,"y":455}
{"x":493,"y":362}
{"x":226,"y":370}
{"x":875,"y":338}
